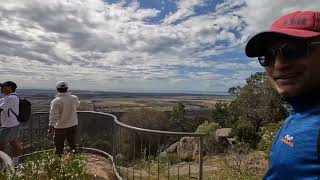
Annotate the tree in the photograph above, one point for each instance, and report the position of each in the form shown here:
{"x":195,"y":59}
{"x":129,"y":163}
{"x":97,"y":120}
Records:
{"x":177,"y":117}
{"x":234,"y":91}
{"x":220,"y":114}
{"x":258,"y":102}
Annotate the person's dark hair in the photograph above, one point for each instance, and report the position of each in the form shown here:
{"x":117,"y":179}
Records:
{"x":62,"y":90}
{"x":11,"y":84}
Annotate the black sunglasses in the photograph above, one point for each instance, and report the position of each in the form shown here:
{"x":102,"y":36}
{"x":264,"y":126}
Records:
{"x":290,"y":51}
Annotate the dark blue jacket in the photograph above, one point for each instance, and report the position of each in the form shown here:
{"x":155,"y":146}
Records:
{"x":295,"y":152}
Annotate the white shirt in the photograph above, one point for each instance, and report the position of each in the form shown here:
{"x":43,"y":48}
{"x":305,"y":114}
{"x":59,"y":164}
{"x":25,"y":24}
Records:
{"x":8,"y":119}
{"x":63,"y":111}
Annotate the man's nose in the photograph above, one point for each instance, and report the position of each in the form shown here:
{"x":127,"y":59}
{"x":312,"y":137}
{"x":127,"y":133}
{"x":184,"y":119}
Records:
{"x":281,"y":61}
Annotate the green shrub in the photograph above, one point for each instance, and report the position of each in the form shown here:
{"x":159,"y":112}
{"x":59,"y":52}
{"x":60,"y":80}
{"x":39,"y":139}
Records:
{"x":245,"y":132}
{"x":268,"y":134}
{"x":49,"y":166}
{"x":210,"y":143}
{"x":207,"y":127}
{"x":220,"y":114}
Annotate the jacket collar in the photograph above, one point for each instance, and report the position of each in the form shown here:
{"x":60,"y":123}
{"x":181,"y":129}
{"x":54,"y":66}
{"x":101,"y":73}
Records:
{"x":62,"y":94}
{"x":303,"y":103}
{"x":14,"y":93}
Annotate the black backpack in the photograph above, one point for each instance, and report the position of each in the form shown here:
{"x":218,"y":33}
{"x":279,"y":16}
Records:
{"x":24,"y":110}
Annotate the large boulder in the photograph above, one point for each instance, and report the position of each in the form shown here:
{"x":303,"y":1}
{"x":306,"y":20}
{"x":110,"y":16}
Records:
{"x":223,"y":139}
{"x":170,"y":150}
{"x":188,"y":149}
{"x":223,"y":133}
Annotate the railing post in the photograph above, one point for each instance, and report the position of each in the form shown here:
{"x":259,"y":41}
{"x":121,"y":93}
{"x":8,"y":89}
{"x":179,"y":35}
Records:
{"x":200,"y":158}
{"x":114,"y":137}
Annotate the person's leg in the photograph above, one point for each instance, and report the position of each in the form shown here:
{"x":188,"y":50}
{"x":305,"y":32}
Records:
{"x":3,"y":138}
{"x":2,"y":145}
{"x":59,"y":137}
{"x":72,"y":138}
{"x":13,"y":139}
{"x":15,"y":148}
{"x":16,"y":151}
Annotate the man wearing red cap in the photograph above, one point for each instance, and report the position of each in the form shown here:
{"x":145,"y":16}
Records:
{"x":290,"y":54}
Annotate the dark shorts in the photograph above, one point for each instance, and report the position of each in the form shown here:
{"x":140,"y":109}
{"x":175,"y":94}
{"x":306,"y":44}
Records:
{"x":9,"y":133}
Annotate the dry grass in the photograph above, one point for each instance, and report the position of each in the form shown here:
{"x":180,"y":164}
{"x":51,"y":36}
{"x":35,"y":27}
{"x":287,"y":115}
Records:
{"x":129,"y":104}
{"x":214,"y":168}
{"x":237,"y":166}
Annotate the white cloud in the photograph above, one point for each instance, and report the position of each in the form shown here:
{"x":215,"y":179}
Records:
{"x":97,"y":45}
{"x":184,"y":9}
{"x":259,"y":15}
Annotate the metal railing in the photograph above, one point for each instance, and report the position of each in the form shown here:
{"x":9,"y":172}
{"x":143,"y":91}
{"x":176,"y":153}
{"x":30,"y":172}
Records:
{"x":136,"y":152}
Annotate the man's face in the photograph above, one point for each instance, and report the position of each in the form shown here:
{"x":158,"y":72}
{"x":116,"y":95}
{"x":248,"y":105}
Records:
{"x":294,"y":77}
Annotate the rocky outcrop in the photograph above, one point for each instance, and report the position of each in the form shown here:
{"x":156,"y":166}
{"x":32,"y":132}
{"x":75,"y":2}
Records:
{"x":188,"y":149}
{"x":170,"y":150}
{"x":223,"y":133}
{"x":223,"y":140}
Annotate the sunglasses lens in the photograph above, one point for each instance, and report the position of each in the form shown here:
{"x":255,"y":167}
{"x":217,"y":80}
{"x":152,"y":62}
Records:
{"x":294,"y":50}
{"x":268,"y":57}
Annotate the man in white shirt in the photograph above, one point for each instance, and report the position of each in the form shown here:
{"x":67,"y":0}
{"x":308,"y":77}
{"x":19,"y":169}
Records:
{"x":9,"y":131}
{"x":63,"y":120}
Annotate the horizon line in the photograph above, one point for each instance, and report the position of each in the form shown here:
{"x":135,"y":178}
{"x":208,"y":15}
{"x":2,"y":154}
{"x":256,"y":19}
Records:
{"x":119,"y":91}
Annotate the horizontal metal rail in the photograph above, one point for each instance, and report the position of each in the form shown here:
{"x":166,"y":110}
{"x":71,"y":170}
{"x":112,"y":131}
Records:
{"x":140,"y":129}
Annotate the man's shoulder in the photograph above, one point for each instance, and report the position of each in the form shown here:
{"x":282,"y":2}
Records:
{"x":56,"y":100}
{"x":74,"y":96}
{"x":13,"y":97}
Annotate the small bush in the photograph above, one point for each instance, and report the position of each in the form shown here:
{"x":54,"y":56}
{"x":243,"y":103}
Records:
{"x":49,"y":166}
{"x":210,"y":142}
{"x":220,"y":114}
{"x":243,"y":163}
{"x":268,"y":134}
{"x":245,"y":132}
{"x":207,"y":127}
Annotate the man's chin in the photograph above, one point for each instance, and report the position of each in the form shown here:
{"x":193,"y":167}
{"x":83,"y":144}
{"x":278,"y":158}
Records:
{"x":289,"y":92}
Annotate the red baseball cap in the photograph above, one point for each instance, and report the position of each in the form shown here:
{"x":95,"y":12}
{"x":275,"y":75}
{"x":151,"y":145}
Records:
{"x":297,"y":25}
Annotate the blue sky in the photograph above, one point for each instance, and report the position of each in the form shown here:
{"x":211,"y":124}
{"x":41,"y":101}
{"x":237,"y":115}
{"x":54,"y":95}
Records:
{"x":134,"y":46}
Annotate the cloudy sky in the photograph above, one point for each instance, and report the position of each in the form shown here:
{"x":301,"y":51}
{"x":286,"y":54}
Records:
{"x":134,"y":46}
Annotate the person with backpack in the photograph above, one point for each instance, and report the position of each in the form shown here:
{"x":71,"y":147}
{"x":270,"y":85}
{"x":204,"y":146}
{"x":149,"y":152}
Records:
{"x":63,"y":120}
{"x":9,"y":131}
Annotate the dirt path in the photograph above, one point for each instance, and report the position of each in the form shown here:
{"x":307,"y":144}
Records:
{"x":99,"y":168}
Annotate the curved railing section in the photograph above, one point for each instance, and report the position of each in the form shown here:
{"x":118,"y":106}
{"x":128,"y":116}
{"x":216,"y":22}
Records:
{"x":135,"y":152}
